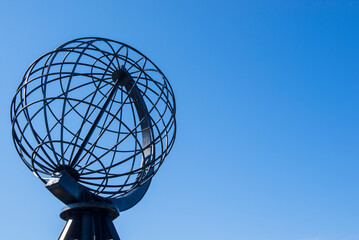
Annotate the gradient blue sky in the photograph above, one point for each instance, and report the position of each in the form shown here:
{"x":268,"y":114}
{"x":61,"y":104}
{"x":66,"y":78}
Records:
{"x":267,"y":110}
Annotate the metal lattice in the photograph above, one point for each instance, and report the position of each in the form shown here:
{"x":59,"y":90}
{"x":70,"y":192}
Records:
{"x":70,"y":114}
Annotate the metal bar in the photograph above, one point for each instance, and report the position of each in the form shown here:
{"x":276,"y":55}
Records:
{"x":95,"y":123}
{"x":65,"y":232}
{"x":111,"y":228}
{"x":65,"y":188}
{"x":86,"y":227}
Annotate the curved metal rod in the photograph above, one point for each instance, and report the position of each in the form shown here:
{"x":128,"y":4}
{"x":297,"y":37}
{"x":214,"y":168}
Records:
{"x":133,"y":197}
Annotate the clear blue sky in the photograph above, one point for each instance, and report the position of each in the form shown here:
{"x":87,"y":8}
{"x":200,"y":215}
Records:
{"x":267,"y":109}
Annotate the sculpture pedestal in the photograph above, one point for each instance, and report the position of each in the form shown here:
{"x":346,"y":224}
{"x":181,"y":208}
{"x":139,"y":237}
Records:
{"x":89,"y":221}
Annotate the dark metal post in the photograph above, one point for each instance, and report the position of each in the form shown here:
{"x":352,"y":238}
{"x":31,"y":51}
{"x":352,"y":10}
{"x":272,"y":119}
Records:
{"x":89,"y":221}
{"x":88,"y":216}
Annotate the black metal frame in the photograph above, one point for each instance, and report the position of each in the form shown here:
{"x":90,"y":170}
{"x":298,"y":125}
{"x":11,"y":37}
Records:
{"x":100,"y":111}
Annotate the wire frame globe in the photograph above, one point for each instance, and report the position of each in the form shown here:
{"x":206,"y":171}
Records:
{"x":59,"y":100}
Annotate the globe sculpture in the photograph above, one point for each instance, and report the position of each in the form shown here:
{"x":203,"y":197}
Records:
{"x":94,"y":120}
